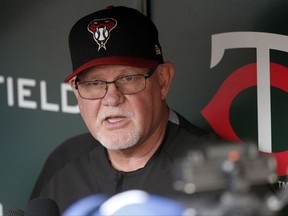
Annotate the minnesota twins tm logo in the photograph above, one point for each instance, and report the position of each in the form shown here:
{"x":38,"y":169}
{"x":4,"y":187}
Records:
{"x":101,"y":29}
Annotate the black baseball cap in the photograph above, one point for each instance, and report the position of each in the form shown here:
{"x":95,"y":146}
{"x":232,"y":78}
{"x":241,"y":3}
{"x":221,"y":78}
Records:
{"x":114,"y":36}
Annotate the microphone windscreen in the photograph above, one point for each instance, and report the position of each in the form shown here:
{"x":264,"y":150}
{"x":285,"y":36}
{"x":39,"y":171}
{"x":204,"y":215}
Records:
{"x":85,"y":206}
{"x":43,"y":207}
{"x":139,"y":203}
{"x":14,"y":212}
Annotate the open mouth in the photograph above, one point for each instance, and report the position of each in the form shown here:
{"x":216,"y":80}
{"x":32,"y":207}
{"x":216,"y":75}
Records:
{"x":114,"y":119}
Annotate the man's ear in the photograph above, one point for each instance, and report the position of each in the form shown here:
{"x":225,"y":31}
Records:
{"x":166,"y":74}
{"x":72,"y":84}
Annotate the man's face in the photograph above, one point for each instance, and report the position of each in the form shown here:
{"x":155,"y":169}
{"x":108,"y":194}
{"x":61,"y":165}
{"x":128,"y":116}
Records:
{"x":121,"y":121}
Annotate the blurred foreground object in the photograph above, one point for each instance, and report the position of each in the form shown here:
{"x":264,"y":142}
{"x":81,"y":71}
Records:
{"x":132,"y":203}
{"x":230,"y":179}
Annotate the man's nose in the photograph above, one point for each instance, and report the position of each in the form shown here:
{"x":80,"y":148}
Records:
{"x":113,"y":96}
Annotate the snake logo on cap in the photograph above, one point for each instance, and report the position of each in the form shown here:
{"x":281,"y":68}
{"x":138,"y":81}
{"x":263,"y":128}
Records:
{"x":101,"y":28}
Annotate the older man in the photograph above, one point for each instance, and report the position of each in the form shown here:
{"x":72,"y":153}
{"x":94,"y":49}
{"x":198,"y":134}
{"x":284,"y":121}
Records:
{"x":121,"y":82}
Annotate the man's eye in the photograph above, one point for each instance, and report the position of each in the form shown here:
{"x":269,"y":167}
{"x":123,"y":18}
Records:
{"x":127,"y":78}
{"x":96,"y":83}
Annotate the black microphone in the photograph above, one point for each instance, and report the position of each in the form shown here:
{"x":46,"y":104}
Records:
{"x":42,"y":207}
{"x":14,"y":212}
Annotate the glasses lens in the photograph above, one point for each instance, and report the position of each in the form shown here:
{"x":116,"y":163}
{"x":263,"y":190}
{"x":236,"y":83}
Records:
{"x":131,"y":84}
{"x":92,"y":90}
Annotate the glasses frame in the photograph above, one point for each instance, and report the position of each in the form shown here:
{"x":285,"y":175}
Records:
{"x":146,"y":76}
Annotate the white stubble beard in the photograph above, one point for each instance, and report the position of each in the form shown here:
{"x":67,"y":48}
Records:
{"x":119,"y":142}
{"x":115,"y":141}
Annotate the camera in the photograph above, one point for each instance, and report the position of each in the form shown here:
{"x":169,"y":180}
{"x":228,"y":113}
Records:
{"x":230,"y":179}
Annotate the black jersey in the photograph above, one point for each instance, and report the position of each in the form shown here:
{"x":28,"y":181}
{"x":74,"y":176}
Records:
{"x":80,"y":166}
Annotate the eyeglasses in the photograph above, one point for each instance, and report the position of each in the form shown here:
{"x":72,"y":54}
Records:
{"x":97,"y":89}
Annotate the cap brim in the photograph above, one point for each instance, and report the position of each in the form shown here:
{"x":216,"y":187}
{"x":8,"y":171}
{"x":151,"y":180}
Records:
{"x":114,"y":60}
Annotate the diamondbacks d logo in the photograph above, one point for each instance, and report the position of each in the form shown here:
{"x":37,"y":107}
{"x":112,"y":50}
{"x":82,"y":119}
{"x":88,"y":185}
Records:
{"x":101,"y":29}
